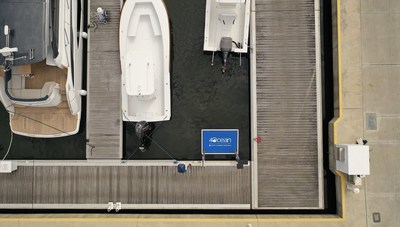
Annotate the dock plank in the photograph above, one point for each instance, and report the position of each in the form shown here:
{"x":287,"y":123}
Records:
{"x":127,"y":184}
{"x":104,"y":123}
{"x":16,"y":187}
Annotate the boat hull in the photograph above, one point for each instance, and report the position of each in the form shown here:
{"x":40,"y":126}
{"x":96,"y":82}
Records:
{"x":145,"y":56}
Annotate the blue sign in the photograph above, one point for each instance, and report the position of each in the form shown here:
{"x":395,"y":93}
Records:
{"x":219,"y":141}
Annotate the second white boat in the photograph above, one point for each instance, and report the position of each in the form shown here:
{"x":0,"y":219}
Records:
{"x":226,"y":28}
{"x":145,"y":57}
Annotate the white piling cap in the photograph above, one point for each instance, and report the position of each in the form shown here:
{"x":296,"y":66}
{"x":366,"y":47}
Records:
{"x":6,"y":30}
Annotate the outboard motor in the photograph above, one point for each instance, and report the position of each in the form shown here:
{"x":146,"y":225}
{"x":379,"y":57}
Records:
{"x":143,"y":129}
{"x":225,"y":47}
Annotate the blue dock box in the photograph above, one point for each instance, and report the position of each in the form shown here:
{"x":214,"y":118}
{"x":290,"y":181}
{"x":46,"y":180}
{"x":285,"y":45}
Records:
{"x":220,"y":141}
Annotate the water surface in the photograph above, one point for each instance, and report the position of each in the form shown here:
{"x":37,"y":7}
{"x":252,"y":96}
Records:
{"x":202,"y":97}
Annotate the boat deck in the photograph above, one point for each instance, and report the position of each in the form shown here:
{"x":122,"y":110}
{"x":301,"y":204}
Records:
{"x":44,"y":120}
{"x":104,"y":123}
{"x":288,"y":107}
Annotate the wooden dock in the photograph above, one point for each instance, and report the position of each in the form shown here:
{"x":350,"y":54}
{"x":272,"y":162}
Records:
{"x":104,"y":123}
{"x":87,"y":185}
{"x":288,"y":106}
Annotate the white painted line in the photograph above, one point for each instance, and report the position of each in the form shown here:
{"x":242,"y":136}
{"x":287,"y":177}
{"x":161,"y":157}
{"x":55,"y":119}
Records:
{"x":253,"y":104}
{"x":318,"y":69}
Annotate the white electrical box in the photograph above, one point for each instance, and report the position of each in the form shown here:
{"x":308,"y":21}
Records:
{"x":352,"y":159}
{"x":8,"y":166}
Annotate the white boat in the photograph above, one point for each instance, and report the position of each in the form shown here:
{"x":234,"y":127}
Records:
{"x":145,"y":57}
{"x":227,"y":27}
{"x":41,"y":55}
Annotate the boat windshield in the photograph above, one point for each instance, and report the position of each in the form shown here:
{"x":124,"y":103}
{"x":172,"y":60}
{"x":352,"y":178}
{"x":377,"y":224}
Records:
{"x":54,"y":8}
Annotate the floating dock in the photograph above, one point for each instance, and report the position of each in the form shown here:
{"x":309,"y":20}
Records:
{"x":286,"y":105}
{"x":104,"y":122}
{"x":144,"y":185}
{"x":286,"y":167}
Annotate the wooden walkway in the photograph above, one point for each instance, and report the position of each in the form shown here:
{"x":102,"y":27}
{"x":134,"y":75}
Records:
{"x":104,"y":124}
{"x":288,"y":108}
{"x":87,"y":186}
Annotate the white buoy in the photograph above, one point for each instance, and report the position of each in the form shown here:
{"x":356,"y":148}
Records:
{"x":84,"y":35}
{"x":83,"y":92}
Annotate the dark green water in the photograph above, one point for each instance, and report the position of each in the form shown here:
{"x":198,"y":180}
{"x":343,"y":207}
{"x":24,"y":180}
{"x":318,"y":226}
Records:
{"x":201,"y":98}
{"x":71,"y":147}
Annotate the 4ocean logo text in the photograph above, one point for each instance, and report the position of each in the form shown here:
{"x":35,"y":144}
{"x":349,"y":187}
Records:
{"x":220,"y":140}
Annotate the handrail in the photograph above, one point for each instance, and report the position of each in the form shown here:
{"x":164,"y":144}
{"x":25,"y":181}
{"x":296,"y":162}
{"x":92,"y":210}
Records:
{"x":7,"y":78}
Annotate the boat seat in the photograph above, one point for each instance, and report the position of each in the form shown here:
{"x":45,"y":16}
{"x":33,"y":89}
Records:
{"x":227,"y":18}
{"x":134,"y":24}
{"x":17,"y":82}
{"x":23,"y":93}
{"x":140,"y":75}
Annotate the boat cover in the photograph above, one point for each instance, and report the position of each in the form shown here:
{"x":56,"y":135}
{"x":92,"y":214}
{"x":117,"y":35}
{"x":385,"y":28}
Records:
{"x":26,"y":21}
